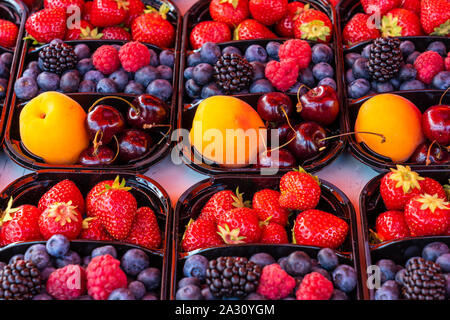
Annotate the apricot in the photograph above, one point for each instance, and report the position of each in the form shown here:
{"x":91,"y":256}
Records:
{"x":395,"y":117}
{"x":227,"y":131}
{"x":52,"y":126}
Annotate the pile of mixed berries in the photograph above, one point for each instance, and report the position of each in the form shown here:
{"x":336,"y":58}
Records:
{"x":52,"y":271}
{"x":424,"y":276}
{"x":131,"y":68}
{"x":225,"y":220}
{"x":8,"y":38}
{"x":110,"y":212}
{"x":295,"y":277}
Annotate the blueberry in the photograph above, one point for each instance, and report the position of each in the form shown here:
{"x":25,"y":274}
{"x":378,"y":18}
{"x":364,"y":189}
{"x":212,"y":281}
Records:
{"x":360,"y":69}
{"x":38,"y":255}
{"x":70,"y":258}
{"x":26,"y":88}
{"x":366,"y":51}
{"x":6,"y":58}
{"x":256,"y":53}
{"x":272,"y":49}
{"x":107,"y":85}
{"x":15,"y":257}
{"x":42,"y":296}
{"x":298,"y":263}
{"x":412,"y":251}
{"x":306,"y":76}
{"x":85,"y":261}
{"x":344,"y":278}
{"x":327,"y":259}
{"x":48,"y":81}
{"x":188,"y":73}
{"x":339,"y":295}
{"x":349,"y":77}
{"x":442,"y":80}
{"x":150,"y":296}
{"x":134,"y":87}
{"x":434,"y":250}
{"x":413,"y":85}
{"x":383,"y":87}
{"x":407,"y":47}
{"x":4,"y":70}
{"x":121,"y":294}
{"x":412,"y":57}
{"x":231,"y":50}
{"x":210,"y":53}
{"x":70,"y":81}
{"x":358,"y":88}
{"x":32,"y":73}
{"x":189,"y":292}
{"x":323,"y":70}
{"x":328,"y":82}
{"x":85,"y":65}
{"x":400,"y":277}
{"x":87,"y":86}
{"x":294,"y":89}
{"x":283,"y":263}
{"x":93,"y":75}
{"x":195,"y":266}
{"x":82,"y":51}
{"x":189,"y":281}
{"x":145,"y":75}
{"x":388,"y":269}
{"x":258,"y":70}
{"x":211,"y":89}
{"x":261,"y":86}
{"x":207,"y":295}
{"x":120,"y":77}
{"x":203,"y":73}
{"x":407,"y":72}
{"x":165,"y":72}
{"x":444,"y":262}
{"x":388,"y":292}
{"x":262,"y":259}
{"x":194,"y":59}
{"x":45,"y":273}
{"x":167,"y":58}
{"x":137,"y":288}
{"x":3,"y":88}
{"x":447,"y":280}
{"x":350,"y":59}
{"x":322,"y":271}
{"x":439,"y":47}
{"x":33,"y":65}
{"x":134,"y":261}
{"x":160,"y":88}
{"x":100,"y":251}
{"x":255,"y":296}
{"x":322,"y":53}
{"x":154,"y":60}
{"x":396,"y":83}
{"x":151,"y":278}
{"x":193,"y":90}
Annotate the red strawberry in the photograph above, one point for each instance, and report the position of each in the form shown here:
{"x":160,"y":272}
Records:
{"x":313,"y":25}
{"x":8,"y":33}
{"x":427,"y":215}
{"x":153,"y":28}
{"x":86,"y":31}
{"x":267,"y":205}
{"x":398,"y":186}
{"x":435,"y":17}
{"x":285,"y":27}
{"x":116,"y":208}
{"x":115,"y":33}
{"x":379,"y":6}
{"x":273,"y":233}
{"x":411,"y":5}
{"x":400,"y":23}
{"x":391,"y":225}
{"x":209,"y":31}
{"x":135,"y":9}
{"x":231,"y":12}
{"x":60,"y":218}
{"x":240,"y":225}
{"x":145,"y":230}
{"x":433,"y":187}
{"x":268,"y":11}
{"x":91,"y":199}
{"x":251,"y":29}
{"x":46,"y":25}
{"x":63,"y":191}
{"x":200,"y":234}
{"x":220,"y":203}
{"x":320,"y":229}
{"x":20,"y":224}
{"x":359,"y":29}
{"x":87,"y":11}
{"x":64,"y":4}
{"x":105,"y":13}
{"x":92,"y":229}
{"x":299,"y":190}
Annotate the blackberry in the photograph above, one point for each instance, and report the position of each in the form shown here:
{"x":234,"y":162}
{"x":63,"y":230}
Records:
{"x":19,"y":280}
{"x":232,"y":277}
{"x":423,"y":280}
{"x":57,"y":58}
{"x":385,"y":59}
{"x":233,"y":73}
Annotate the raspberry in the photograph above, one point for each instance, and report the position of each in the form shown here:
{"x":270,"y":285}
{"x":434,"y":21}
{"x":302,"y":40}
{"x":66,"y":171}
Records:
{"x":296,"y":49}
{"x":447,"y":62}
{"x":428,"y":64}
{"x":275,"y":283}
{"x":315,"y":286}
{"x":106,"y":59}
{"x":67,"y":283}
{"x":282,"y":75}
{"x":104,"y":276}
{"x":133,"y":56}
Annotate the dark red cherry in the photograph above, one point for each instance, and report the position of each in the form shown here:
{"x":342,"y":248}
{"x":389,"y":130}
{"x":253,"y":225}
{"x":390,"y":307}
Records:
{"x":282,"y":130}
{"x":106,"y":119}
{"x":148,"y":110}
{"x":90,"y":157}
{"x":438,"y":155}
{"x":320,"y":105}
{"x":436,"y":124}
{"x":270,"y":107}
{"x":308,"y":140}
{"x":133,"y":144}
{"x":284,"y":159}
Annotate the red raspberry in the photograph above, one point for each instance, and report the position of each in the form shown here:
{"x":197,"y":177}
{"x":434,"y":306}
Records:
{"x":275,"y":283}
{"x":315,"y":286}
{"x":106,"y":59}
{"x":447,"y":62}
{"x":282,"y":75}
{"x":428,"y":64}
{"x":296,"y":49}
{"x":133,"y":56}
{"x":104,"y":276}
{"x":67,"y":283}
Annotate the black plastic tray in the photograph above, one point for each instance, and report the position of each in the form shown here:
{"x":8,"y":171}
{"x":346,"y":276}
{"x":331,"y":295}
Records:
{"x":28,"y":190}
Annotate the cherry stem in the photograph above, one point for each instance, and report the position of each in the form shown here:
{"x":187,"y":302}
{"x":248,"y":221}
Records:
{"x":299,"y":104}
{"x":383,"y":138}
{"x":284,"y":145}
{"x":443,"y":95}
{"x":154,"y":125}
{"x":166,"y":134}
{"x":428,"y":161}
{"x":118,"y":149}
{"x":97,"y":142}
{"x":113,"y":97}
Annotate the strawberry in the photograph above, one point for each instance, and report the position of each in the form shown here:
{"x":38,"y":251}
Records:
{"x":92,"y":229}
{"x":285,"y":27}
{"x":8,"y":33}
{"x":379,"y":6}
{"x":435,"y":17}
{"x":145,"y":230}
{"x":231,"y":12}
{"x":200,"y":234}
{"x":209,"y":31}
{"x":93,"y":195}
{"x":115,"y":33}
{"x":105,"y":13}
{"x":20,"y":224}
{"x":86,"y":31}
{"x":116,"y":208}
{"x":299,"y":190}
{"x":358,"y":29}
{"x":268,"y":12}
{"x":431,"y":186}
{"x":60,"y":218}
{"x":46,"y":25}
{"x":411,"y":5}
{"x":220,"y":203}
{"x":87,"y":11}
{"x":391,"y":225}
{"x":400,"y":23}
{"x":273,"y":233}
{"x":267,"y":205}
{"x":251,"y":29}
{"x":239,"y":225}
{"x":427,"y":215}
{"x":320,"y":229}
{"x":135,"y":9}
{"x":398,"y":186}
{"x":63,"y":191}
{"x":64,"y":4}
{"x":313,"y":25}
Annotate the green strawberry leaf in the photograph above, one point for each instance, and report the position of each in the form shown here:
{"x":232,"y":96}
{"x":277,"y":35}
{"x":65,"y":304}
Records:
{"x":443,"y":30}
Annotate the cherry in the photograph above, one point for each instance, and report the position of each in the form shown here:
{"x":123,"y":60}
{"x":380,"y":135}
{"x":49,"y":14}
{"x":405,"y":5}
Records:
{"x":285,"y":159}
{"x":437,"y":154}
{"x":271,"y":105}
{"x":106,"y":119}
{"x":133,"y":144}
{"x":96,"y":156}
{"x":147,"y":111}
{"x":283,"y":131}
{"x":436,"y":124}
{"x":320,"y":105}
{"x":307,"y":140}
